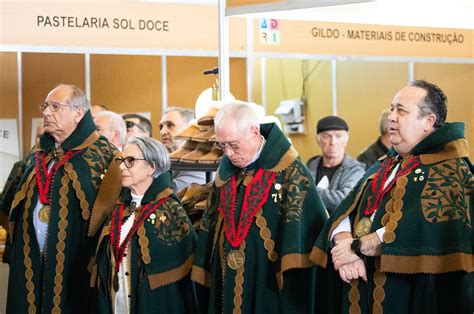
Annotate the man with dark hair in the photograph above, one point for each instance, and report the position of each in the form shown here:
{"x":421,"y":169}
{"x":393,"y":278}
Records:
{"x":402,"y":239}
{"x":381,"y":146}
{"x":137,"y":125}
{"x":68,"y":185}
{"x":173,"y":122}
{"x":334,"y":171}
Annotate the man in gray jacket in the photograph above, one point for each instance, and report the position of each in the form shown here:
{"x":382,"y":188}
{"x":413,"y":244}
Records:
{"x":334,"y":172}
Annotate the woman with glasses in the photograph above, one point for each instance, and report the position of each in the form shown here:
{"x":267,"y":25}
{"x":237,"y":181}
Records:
{"x":144,"y":255}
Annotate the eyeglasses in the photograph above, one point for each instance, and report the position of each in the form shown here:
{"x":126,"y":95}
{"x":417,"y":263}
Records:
{"x":131,"y":124}
{"x":53,"y":106}
{"x":129,"y":161}
{"x":222,"y":146}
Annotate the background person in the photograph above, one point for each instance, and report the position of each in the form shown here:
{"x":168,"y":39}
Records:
{"x":334,"y":172}
{"x":137,"y":125}
{"x":111,"y":126}
{"x":381,"y":146}
{"x":173,"y":122}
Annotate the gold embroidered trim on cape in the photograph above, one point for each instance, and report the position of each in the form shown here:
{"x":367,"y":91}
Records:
{"x":30,"y":287}
{"x":170,"y":276}
{"x":380,"y":278}
{"x":354,"y":297}
{"x":201,"y":276}
{"x":165,"y":193}
{"x":291,"y":261}
{"x":88,"y":141}
{"x":83,"y":203}
{"x":286,"y":160}
{"x":107,"y":195}
{"x":20,"y":195}
{"x":455,"y":149}
{"x":427,"y":264}
{"x":319,"y":257}
{"x":61,"y":245}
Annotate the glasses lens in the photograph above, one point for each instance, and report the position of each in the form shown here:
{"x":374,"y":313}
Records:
{"x":129,"y":162}
{"x":129,"y":124}
{"x":42,"y":107}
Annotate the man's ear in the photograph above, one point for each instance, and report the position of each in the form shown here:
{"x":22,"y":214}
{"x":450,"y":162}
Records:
{"x":429,"y":121}
{"x":79,"y":114}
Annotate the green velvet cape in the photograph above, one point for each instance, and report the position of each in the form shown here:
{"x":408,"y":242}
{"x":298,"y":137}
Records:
{"x":160,"y":262}
{"x":82,"y":194}
{"x":277,"y":275}
{"x":426,"y":264}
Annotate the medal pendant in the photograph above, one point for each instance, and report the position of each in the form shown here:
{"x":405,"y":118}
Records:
{"x":235,"y":259}
{"x":363,"y":227}
{"x":44,"y":214}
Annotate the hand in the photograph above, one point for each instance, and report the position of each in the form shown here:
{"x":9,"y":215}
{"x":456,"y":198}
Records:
{"x":352,"y":271}
{"x":342,"y":253}
{"x":370,"y":245}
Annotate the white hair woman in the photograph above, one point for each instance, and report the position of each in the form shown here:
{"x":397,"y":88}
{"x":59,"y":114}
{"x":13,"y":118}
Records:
{"x":145,"y":252}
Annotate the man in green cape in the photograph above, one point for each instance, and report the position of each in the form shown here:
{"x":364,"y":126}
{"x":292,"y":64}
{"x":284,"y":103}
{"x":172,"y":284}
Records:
{"x":67,"y":189}
{"x":402,"y":240}
{"x":253,"y":248}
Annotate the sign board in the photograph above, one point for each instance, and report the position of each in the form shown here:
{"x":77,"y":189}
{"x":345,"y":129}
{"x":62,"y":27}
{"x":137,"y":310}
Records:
{"x":138,"y":25}
{"x":308,"y":37}
{"x":9,"y":148}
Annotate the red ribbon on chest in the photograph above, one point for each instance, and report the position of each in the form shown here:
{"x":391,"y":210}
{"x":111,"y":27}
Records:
{"x":256,"y":194}
{"x":45,"y":177}
{"x":377,"y":187}
{"x":116,"y":228}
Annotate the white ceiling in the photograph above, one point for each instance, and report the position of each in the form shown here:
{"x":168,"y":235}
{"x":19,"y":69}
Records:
{"x":422,"y":13}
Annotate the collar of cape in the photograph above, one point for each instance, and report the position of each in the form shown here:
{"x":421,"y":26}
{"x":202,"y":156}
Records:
{"x":444,"y":143}
{"x":276,"y":155}
{"x":159,"y":189}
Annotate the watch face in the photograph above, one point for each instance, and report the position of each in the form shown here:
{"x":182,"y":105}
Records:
{"x":355,"y":246}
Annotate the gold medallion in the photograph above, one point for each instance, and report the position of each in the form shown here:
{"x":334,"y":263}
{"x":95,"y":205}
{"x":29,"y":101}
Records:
{"x":44,"y":213}
{"x":363,"y":227}
{"x":235,"y":259}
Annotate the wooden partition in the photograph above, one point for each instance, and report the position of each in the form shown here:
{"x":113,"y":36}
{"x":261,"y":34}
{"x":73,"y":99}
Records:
{"x":186,"y":81}
{"x":127,"y":84}
{"x":457,"y":81}
{"x":364,"y":90}
{"x":8,"y":85}
{"x":41,"y":72}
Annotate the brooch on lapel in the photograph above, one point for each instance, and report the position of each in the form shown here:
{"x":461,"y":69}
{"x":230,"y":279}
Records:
{"x":419,"y":175}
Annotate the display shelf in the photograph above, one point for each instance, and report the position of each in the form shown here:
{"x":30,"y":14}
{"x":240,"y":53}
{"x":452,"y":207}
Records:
{"x":184,"y":166}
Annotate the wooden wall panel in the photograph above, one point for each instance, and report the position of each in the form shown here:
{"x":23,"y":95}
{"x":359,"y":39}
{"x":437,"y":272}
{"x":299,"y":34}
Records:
{"x":127,"y":84}
{"x":364,"y":90}
{"x":457,"y":81}
{"x":41,"y":73}
{"x":186,"y":81}
{"x":8,"y":85}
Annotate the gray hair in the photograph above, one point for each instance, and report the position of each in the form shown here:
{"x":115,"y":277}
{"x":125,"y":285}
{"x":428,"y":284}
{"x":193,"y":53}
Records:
{"x":154,"y":153}
{"x":187,"y":114}
{"x":78,"y":97}
{"x":383,"y":126}
{"x":115,"y":123}
{"x":244,"y":116}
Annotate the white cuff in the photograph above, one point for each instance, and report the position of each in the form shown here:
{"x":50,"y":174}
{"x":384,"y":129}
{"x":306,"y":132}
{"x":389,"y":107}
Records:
{"x":343,"y":226}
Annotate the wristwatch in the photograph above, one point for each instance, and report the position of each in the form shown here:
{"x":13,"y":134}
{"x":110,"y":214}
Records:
{"x":355,"y":247}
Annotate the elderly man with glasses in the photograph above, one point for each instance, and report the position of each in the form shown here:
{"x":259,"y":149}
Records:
{"x":253,"y":248}
{"x":69,"y":185}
